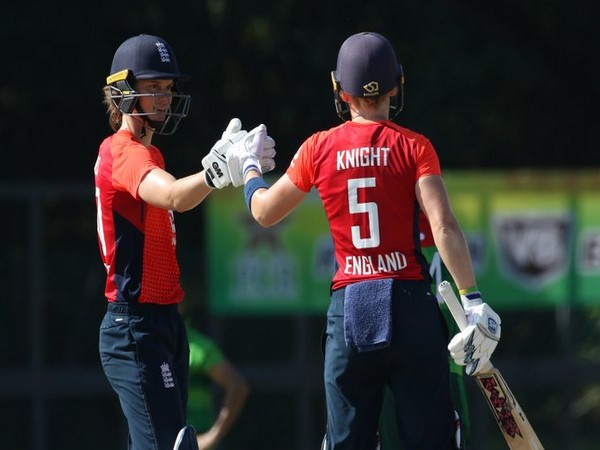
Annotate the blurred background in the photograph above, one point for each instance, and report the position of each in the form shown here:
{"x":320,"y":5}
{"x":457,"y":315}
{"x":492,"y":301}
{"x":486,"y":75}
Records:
{"x":505,"y":92}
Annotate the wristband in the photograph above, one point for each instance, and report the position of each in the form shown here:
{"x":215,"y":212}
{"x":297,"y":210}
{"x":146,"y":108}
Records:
{"x":468,"y":290}
{"x":470,"y":299}
{"x":251,"y":187}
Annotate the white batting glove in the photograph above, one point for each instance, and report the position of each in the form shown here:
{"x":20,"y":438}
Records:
{"x":267,"y":158}
{"x":215,"y":163}
{"x":255,"y":151}
{"x":474,"y":345}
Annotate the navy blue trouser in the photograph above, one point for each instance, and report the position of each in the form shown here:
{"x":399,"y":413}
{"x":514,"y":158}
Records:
{"x":415,"y":366}
{"x":145,"y":356}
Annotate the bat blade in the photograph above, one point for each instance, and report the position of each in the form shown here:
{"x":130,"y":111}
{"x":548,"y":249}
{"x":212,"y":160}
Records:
{"x":512,"y":421}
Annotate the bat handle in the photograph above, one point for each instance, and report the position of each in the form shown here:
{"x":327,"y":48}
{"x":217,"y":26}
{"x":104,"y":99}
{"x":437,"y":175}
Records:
{"x":458,"y":313}
{"x":453,"y":303}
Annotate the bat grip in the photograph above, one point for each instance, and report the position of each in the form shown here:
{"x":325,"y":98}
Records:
{"x":453,"y":303}
{"x":458,"y":313}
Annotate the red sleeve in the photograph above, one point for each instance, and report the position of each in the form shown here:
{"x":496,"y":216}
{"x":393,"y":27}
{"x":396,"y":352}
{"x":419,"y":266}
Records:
{"x":301,"y":169}
{"x":427,"y":160}
{"x":131,"y":161}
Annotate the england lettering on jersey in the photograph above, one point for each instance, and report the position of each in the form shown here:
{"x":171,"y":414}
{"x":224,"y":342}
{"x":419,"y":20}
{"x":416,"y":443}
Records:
{"x":374,"y":264}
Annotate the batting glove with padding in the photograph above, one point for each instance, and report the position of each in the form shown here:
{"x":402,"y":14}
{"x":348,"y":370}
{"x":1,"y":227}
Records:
{"x":255,"y":151}
{"x":474,"y":345}
{"x":215,"y":163}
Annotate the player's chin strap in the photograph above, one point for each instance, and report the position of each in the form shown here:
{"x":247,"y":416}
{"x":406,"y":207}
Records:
{"x":142,"y":123}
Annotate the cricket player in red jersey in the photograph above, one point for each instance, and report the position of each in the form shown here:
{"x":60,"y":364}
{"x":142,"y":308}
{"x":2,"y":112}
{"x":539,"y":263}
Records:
{"x":384,"y":326}
{"x":143,"y":343}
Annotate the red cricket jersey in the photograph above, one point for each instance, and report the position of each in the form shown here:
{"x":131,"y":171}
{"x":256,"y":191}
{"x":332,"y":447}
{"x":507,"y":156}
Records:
{"x":365,"y":175}
{"x":137,"y":240}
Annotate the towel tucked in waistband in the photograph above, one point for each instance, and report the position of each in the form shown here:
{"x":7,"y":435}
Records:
{"x":368,"y":314}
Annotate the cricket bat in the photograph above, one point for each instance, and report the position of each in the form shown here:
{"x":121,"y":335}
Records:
{"x":513,"y":423}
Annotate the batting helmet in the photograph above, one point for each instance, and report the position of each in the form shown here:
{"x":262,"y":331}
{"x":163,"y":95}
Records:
{"x":367,"y":67}
{"x":147,"y":57}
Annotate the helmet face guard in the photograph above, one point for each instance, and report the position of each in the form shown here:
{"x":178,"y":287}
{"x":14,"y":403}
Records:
{"x":343,"y":108}
{"x":125,"y":98}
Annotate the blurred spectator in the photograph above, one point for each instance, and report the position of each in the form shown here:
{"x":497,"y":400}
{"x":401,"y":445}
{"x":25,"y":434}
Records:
{"x":210,"y":368}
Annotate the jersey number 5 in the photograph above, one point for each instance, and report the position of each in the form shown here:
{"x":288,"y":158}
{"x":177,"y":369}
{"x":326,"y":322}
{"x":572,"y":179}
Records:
{"x":370,"y":208}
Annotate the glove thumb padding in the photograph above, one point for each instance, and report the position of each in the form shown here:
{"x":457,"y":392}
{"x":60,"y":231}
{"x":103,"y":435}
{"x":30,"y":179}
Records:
{"x":233,"y":127}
